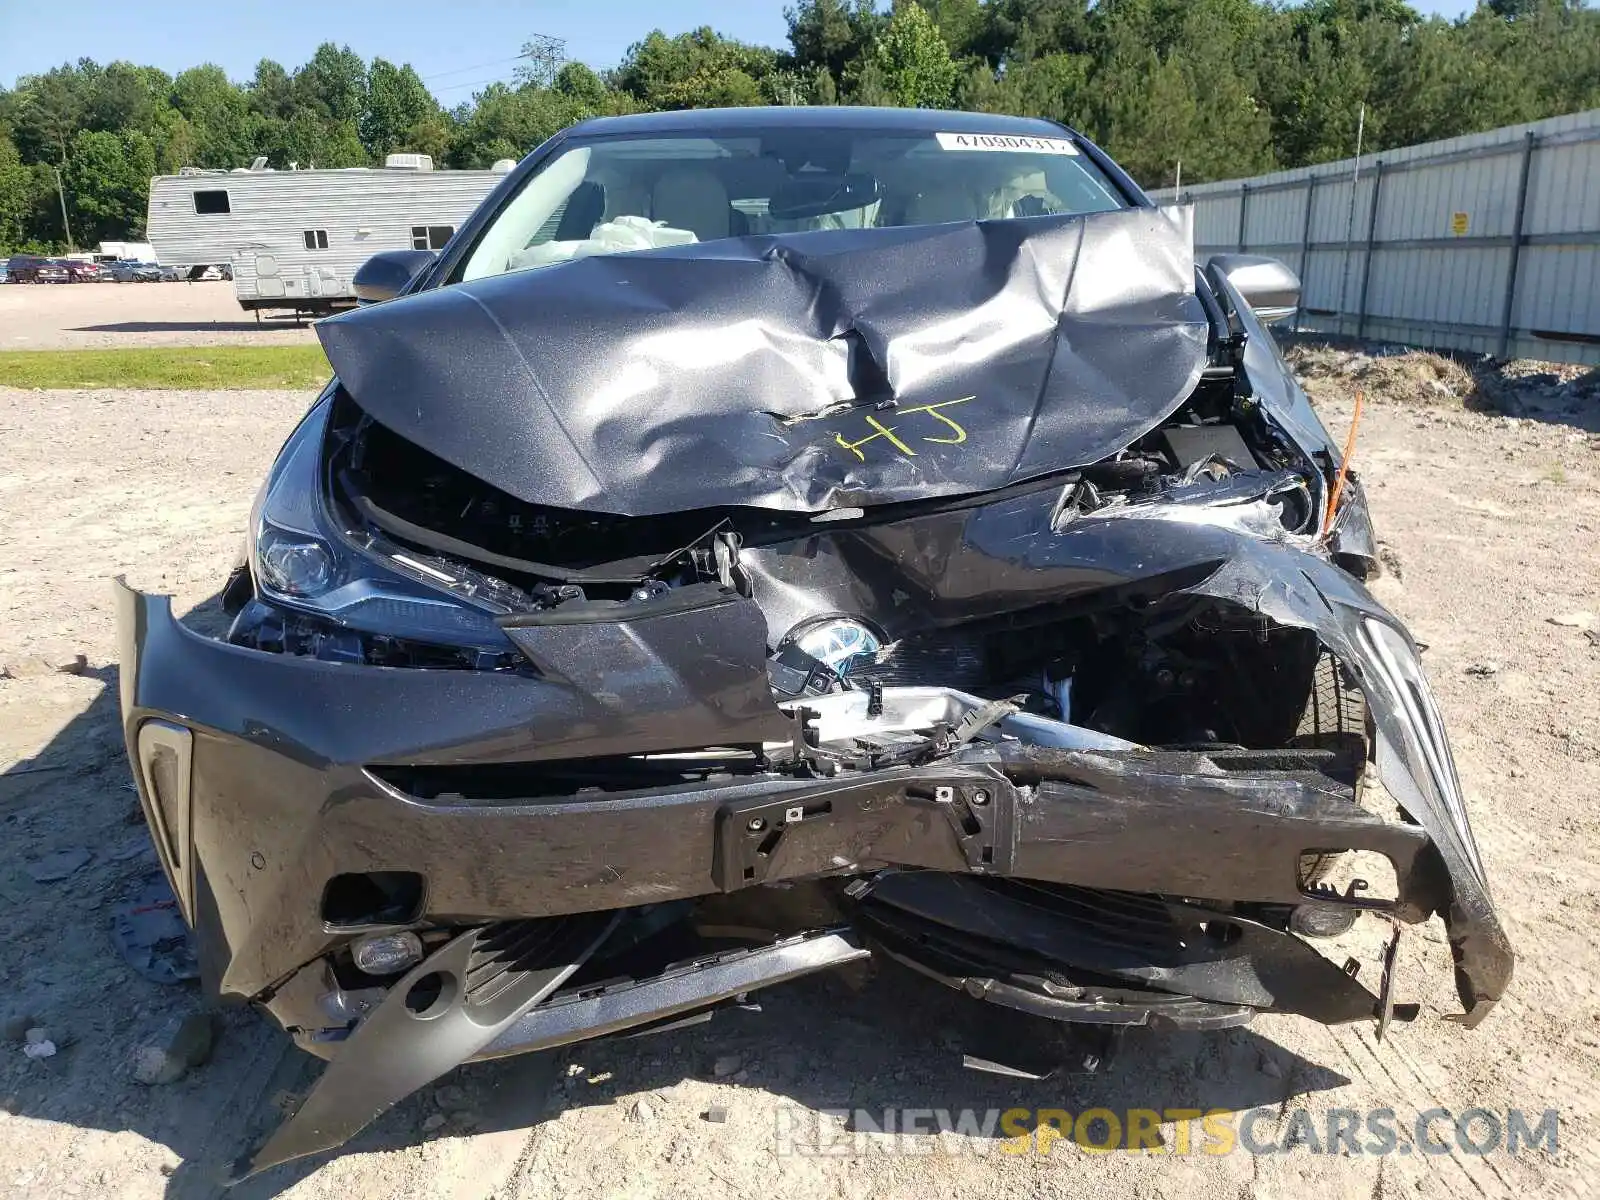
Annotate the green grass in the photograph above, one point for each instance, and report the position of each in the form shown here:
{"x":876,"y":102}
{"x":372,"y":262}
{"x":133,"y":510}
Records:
{"x":167,"y":367}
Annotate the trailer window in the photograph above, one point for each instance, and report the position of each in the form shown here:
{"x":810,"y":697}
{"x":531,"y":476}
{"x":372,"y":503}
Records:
{"x":316,"y":239}
{"x":209,"y":204}
{"x":431,"y":237}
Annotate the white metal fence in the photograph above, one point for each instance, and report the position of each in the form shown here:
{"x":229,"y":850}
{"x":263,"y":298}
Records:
{"x":1487,"y":243}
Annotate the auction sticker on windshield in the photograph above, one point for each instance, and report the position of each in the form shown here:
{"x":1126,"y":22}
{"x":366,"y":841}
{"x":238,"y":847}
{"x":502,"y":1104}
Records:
{"x":1014,"y":143}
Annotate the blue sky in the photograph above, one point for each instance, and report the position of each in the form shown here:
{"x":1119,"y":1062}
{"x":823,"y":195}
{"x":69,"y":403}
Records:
{"x":457,"y":45}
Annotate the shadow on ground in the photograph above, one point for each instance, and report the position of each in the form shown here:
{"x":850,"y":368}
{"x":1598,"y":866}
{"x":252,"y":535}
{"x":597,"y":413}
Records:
{"x":252,"y":326}
{"x":893,"y":1041}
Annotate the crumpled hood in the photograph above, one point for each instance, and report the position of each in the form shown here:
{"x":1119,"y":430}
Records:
{"x":799,"y":372}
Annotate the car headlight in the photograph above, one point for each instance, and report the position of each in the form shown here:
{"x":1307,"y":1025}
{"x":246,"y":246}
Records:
{"x":293,"y":565}
{"x":304,"y":560}
{"x":839,"y":643}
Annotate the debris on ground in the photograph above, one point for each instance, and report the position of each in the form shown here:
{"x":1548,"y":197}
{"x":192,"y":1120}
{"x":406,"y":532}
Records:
{"x":717,"y":1115}
{"x":1390,"y":558}
{"x":1484,"y":669}
{"x":52,"y":868}
{"x":178,"y":1045}
{"x":726,"y":1065}
{"x":641,"y":1113}
{"x":36,"y":666}
{"x":42,"y":1042}
{"x":151,"y":934}
{"x":1404,"y":375}
{"x":16,"y":1027}
{"x":37,"y":1043}
{"x":1576,"y":620}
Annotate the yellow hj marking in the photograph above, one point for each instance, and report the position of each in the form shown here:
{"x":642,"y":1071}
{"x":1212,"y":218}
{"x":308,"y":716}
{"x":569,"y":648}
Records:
{"x":888,"y":431}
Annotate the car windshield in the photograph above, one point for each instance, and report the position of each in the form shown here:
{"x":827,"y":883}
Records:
{"x":614,"y":195}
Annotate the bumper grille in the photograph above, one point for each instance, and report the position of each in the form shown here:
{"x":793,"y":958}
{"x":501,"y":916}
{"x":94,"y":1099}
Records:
{"x":507,"y":950}
{"x":1107,"y":917}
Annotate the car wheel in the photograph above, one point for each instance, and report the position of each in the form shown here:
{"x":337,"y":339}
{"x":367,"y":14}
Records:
{"x":1335,"y":718}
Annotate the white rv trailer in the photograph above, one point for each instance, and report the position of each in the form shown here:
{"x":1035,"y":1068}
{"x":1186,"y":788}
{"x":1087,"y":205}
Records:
{"x":295,"y":238}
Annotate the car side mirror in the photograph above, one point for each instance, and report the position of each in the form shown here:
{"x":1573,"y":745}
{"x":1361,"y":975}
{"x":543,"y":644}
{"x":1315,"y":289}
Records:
{"x":1268,"y":286}
{"x":384,"y":276}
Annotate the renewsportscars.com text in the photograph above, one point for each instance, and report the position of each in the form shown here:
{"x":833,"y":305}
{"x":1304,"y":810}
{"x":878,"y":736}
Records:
{"x":1477,"y":1132}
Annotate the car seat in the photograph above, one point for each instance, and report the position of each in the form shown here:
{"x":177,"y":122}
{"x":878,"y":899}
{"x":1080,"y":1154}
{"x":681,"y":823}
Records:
{"x":946,"y":204}
{"x":692,"y":199}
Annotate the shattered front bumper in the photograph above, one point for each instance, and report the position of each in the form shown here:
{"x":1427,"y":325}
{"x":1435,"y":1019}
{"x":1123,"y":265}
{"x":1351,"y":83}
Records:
{"x":257,"y":775}
{"x":266,"y":777}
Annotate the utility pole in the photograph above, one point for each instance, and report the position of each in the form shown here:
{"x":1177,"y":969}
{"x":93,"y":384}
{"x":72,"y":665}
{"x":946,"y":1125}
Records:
{"x":545,"y":55}
{"x":1350,"y":216}
{"x":62,"y":193}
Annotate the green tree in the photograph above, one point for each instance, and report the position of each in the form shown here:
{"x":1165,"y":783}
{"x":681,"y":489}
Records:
{"x":271,"y":91}
{"x":960,"y":23}
{"x":396,"y":103}
{"x":833,"y":36}
{"x":47,"y":110}
{"x":333,"y":84}
{"x":700,"y":69}
{"x":1013,"y":31}
{"x":918,"y":71}
{"x":18,"y":198}
{"x":218,"y":114}
{"x":1055,"y":87}
{"x":125,"y":96}
{"x":578,"y":83}
{"x":108,"y":182}
{"x":433,"y":135}
{"x":505,"y":122}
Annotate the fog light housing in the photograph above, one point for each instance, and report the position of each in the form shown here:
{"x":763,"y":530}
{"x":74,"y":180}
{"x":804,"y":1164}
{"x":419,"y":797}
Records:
{"x":1323,"y":920}
{"x":386,"y":953}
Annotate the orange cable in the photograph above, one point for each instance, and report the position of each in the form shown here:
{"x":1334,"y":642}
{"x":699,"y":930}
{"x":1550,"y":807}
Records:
{"x":1344,"y":467}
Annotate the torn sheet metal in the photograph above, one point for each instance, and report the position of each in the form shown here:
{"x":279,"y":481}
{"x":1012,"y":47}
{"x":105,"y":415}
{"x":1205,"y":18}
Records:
{"x":936,"y":360}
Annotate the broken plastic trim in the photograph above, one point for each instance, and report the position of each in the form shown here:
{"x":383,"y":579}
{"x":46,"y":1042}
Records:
{"x":445,"y":1010}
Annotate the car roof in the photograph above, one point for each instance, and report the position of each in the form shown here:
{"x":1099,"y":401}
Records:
{"x":888,"y":120}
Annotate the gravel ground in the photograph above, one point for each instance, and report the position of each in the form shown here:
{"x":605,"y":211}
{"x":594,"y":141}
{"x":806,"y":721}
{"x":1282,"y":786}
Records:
{"x":1489,"y":525}
{"x":107,"y":315}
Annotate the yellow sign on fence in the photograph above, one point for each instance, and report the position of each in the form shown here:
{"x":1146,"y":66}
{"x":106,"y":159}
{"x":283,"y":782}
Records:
{"x":1459,"y":224}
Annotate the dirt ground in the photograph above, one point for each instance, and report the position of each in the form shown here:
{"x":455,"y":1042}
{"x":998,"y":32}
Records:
{"x":107,"y":315}
{"x":1490,"y":526}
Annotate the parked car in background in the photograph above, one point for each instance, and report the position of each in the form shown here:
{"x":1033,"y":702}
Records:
{"x":31,"y":268}
{"x":79,"y":271}
{"x":5,"y":275}
{"x":136,"y":272}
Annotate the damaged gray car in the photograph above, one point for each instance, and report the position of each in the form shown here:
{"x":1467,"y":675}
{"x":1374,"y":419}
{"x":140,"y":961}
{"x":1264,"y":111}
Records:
{"x":767,"y":539}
